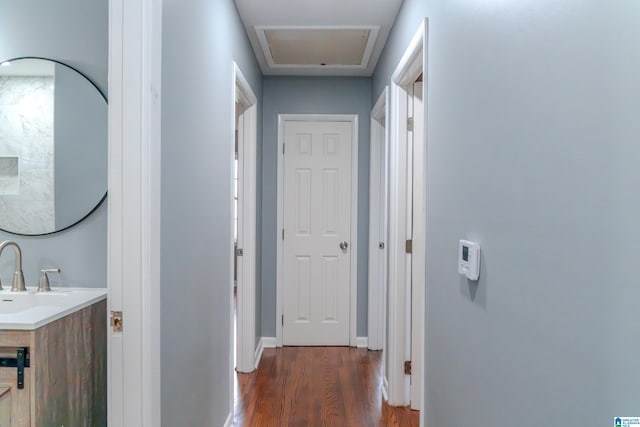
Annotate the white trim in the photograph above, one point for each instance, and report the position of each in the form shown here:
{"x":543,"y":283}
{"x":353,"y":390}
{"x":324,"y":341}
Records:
{"x":135,"y":48}
{"x":380,"y":109}
{"x":377,"y":223}
{"x":353,"y":313}
{"x":245,"y":95}
{"x":229,"y":421}
{"x":366,"y":56}
{"x":258,"y":353}
{"x":397,"y":258}
{"x":362,"y":342}
{"x":264,"y":342}
{"x":247,"y":159}
{"x":418,"y":208}
{"x":423,"y":344}
{"x":412,"y":63}
{"x":268,"y":342}
{"x":385,"y":387}
{"x":353,"y":118}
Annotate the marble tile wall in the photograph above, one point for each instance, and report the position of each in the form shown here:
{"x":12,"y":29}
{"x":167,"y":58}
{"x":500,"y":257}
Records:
{"x":26,"y":132}
{"x":9,"y":176}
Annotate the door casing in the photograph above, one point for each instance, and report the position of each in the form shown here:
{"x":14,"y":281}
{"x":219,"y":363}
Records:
{"x":133,"y":266}
{"x":417,"y":214}
{"x":378,"y":225}
{"x":247,"y":159}
{"x":411,"y":65}
{"x":353,"y":118}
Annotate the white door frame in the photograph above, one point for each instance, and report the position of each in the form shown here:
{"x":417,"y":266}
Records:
{"x":282,"y":119}
{"x":133,"y":367}
{"x":411,"y":65}
{"x":418,"y":232}
{"x":378,"y":226}
{"x":247,"y":159}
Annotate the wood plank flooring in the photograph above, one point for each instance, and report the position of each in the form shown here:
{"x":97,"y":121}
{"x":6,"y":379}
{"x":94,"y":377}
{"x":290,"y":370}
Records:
{"x":317,"y":386}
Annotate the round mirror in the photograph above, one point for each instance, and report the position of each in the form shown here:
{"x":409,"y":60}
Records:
{"x":53,"y":146}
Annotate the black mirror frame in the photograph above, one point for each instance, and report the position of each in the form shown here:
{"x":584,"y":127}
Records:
{"x":104,"y":197}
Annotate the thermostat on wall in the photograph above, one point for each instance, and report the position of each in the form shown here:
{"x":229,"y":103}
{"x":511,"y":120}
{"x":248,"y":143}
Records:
{"x":469,"y":259}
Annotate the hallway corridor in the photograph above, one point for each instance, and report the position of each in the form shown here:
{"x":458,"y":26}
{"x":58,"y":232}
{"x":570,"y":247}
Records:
{"x":317,"y":386}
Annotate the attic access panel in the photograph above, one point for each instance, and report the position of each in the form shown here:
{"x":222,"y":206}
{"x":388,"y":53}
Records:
{"x":312,"y":47}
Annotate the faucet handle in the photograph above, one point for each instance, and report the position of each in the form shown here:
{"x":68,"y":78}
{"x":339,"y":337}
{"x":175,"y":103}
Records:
{"x":44,"y":279}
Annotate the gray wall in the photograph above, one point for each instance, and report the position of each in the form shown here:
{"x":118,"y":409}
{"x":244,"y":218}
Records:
{"x":308,"y":95}
{"x":533,"y":152}
{"x":200,"y":39}
{"x":80,"y":146}
{"x":74,"y":32}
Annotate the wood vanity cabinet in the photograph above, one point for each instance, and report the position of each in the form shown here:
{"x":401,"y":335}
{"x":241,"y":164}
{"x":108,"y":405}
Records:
{"x":65,"y":385}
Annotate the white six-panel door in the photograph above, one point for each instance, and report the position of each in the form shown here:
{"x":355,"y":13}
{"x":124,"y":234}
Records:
{"x":317,"y":220}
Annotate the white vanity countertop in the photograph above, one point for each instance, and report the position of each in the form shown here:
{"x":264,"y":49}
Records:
{"x":30,"y":310}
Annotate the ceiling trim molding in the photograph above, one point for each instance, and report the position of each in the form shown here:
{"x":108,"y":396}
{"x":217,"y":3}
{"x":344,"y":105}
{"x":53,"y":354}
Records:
{"x":366,"y":57}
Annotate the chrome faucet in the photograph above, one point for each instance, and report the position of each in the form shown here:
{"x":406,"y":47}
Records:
{"x":18,"y":277}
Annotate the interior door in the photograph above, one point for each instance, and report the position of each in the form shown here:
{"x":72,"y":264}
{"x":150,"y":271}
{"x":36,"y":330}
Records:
{"x":317,"y":229}
{"x":418,"y":224}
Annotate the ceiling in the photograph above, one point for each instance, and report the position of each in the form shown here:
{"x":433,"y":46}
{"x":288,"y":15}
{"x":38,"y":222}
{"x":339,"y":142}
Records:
{"x":318,"y":37}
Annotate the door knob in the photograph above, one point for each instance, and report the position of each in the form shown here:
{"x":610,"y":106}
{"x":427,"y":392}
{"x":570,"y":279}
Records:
{"x":344,"y":246}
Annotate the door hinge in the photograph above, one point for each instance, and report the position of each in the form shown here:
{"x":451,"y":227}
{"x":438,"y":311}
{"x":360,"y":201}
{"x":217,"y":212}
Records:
{"x":407,"y":367}
{"x":408,"y":246}
{"x":116,"y":321}
{"x":283,"y":148}
{"x":239,"y":252}
{"x":21,"y":361}
{"x":410,"y":124}
{"x":236,"y":146}
{"x":282,"y":320}
{"x":381,"y":245}
{"x":283,"y":234}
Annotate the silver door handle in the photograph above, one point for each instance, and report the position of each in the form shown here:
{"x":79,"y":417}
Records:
{"x":344,"y":246}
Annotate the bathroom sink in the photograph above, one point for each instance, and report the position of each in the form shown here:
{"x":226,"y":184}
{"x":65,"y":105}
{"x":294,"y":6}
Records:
{"x":30,"y":310}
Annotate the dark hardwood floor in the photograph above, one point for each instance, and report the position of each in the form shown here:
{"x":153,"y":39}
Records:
{"x":317,"y":386}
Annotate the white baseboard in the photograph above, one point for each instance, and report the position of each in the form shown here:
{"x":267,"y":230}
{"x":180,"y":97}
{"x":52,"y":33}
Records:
{"x":229,"y":422}
{"x":258,"y":353}
{"x":385,"y":387}
{"x":265,"y":342}
{"x":268,"y":342}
